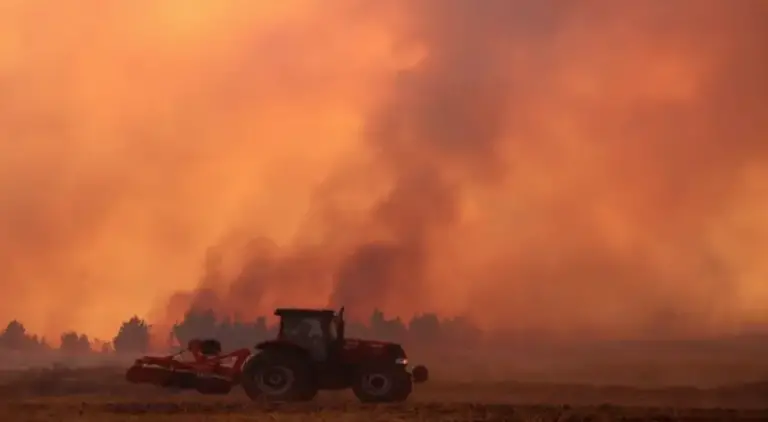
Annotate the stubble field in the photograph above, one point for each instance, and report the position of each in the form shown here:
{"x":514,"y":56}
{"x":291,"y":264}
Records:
{"x":100,"y":395}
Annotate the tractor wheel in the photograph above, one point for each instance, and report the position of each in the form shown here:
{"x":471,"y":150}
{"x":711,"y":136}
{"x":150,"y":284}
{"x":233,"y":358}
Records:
{"x":277,"y":377}
{"x":382,"y":385}
{"x":181,"y":380}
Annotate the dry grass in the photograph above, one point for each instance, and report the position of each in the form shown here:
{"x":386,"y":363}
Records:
{"x":100,"y":395}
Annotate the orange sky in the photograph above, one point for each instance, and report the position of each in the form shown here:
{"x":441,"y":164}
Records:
{"x":590,"y":165}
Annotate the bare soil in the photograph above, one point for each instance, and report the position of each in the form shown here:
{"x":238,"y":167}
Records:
{"x":100,"y":395}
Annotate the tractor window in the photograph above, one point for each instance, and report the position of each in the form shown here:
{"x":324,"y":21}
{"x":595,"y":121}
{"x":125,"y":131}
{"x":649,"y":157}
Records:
{"x":290,"y":325}
{"x":313,"y":327}
{"x":332,"y":334}
{"x":301,"y":328}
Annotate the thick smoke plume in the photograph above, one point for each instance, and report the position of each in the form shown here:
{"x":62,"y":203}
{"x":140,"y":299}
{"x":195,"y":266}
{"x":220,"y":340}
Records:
{"x":574,"y":167}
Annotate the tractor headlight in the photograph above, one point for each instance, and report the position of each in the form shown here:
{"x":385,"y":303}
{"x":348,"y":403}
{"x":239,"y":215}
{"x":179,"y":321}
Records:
{"x":401,"y":361}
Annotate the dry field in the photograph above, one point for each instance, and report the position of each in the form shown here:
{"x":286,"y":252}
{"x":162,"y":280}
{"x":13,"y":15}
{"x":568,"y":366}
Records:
{"x":100,"y":395}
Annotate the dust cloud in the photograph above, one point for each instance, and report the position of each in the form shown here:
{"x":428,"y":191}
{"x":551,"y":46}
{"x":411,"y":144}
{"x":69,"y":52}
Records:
{"x":573,"y":167}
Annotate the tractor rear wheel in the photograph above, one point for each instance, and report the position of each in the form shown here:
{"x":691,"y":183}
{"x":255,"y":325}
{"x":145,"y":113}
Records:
{"x":385,"y":384}
{"x":278,"y":377}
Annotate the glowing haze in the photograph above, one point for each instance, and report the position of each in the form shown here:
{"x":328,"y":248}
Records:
{"x":593,"y":166}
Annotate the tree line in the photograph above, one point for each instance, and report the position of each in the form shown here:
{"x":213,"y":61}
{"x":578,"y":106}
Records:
{"x":135,"y":334}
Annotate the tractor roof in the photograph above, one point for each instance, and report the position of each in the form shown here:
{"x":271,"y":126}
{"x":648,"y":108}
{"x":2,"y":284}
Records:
{"x":292,"y":312}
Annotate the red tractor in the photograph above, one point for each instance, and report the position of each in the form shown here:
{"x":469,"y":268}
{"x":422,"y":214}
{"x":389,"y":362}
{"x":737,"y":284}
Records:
{"x":309,"y":354}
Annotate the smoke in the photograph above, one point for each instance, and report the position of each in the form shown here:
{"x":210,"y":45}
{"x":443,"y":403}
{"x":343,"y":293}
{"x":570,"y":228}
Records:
{"x":570,"y":167}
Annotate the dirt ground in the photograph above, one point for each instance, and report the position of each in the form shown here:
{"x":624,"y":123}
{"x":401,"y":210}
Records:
{"x":100,"y":395}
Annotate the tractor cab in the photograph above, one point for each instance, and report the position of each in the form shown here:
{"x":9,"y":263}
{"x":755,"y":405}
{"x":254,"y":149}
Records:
{"x":315,"y":330}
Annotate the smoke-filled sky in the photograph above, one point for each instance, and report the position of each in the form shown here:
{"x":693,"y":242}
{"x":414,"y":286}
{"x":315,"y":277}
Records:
{"x":556,"y":165}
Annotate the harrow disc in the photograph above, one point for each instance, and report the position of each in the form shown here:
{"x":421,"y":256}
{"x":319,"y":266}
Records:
{"x":213,"y":385}
{"x":148,"y":375}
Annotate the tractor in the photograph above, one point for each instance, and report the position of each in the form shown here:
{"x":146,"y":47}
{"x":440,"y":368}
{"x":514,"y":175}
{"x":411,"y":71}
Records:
{"x":311,"y":353}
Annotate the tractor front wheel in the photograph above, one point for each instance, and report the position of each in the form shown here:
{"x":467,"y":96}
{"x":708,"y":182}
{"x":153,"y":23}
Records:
{"x":383,"y":385}
{"x":277,"y":377}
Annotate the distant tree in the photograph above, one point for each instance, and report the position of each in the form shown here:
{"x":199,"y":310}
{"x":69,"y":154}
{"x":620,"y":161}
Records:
{"x":460,"y":329}
{"x":83,"y":344}
{"x":14,"y":337}
{"x":377,"y":320}
{"x":44,"y":345}
{"x":72,"y":343}
{"x":133,"y":336}
{"x":396,"y":330}
{"x":232,"y":331}
{"x":357,"y":329}
{"x":387,"y":329}
{"x":262,"y":331}
{"x":196,"y":324}
{"x":424,"y":329}
{"x":226,"y":332}
{"x":35,"y":343}
{"x":238,"y":334}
